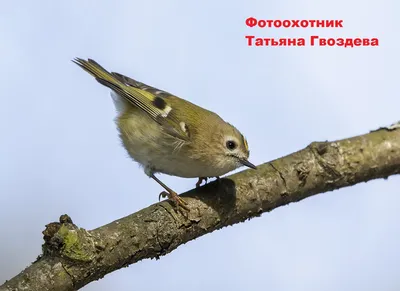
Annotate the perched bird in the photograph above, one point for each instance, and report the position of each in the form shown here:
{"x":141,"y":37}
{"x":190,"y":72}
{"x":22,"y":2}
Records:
{"x":167,"y":134}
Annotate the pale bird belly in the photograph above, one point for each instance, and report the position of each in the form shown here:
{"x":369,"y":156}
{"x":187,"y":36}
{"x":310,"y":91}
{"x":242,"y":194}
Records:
{"x":186,"y":168}
{"x":163,"y":160}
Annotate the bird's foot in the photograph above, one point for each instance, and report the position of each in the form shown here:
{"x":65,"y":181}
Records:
{"x":201,"y":179}
{"x":178,"y":201}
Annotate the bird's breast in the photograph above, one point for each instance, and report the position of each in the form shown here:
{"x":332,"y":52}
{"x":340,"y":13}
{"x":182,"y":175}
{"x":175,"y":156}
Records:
{"x":148,"y":145}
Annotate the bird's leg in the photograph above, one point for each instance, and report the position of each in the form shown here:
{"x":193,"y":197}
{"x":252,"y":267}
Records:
{"x":170,"y":194}
{"x":201,"y":179}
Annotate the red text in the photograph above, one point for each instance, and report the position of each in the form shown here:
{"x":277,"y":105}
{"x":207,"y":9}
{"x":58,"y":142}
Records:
{"x":251,"y":22}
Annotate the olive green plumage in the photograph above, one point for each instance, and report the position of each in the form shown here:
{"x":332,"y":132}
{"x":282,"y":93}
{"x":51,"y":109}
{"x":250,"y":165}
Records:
{"x":170,"y":135}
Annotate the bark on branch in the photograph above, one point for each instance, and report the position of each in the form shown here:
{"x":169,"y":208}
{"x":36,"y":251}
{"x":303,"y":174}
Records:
{"x":73,"y":257}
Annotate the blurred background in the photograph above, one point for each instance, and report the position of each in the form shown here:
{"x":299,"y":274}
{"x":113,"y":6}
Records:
{"x":60,"y":151}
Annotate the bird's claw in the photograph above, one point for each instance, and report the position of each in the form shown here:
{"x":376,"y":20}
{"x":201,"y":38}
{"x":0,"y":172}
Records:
{"x":178,"y":201}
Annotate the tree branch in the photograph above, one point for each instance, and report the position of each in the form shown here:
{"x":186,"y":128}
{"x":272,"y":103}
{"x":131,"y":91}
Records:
{"x":73,"y":257}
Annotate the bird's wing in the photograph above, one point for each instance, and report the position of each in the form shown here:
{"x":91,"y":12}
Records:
{"x":142,"y":86}
{"x":149,"y":99}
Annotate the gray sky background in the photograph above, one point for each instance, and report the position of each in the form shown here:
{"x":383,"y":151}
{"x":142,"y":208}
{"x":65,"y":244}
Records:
{"x":60,"y":152}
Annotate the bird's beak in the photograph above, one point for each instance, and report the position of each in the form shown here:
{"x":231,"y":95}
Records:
{"x":246,"y":163}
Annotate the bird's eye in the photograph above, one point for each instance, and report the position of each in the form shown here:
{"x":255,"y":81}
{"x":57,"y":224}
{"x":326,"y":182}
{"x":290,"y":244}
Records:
{"x":231,"y":145}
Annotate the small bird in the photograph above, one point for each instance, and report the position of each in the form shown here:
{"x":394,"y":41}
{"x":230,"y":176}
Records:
{"x":167,"y":134}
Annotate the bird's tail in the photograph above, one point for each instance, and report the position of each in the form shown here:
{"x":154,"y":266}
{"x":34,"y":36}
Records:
{"x":136,"y":96}
{"x":154,"y":106}
{"x":101,"y":75}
